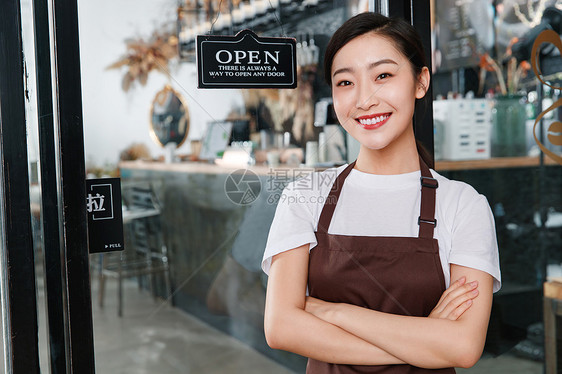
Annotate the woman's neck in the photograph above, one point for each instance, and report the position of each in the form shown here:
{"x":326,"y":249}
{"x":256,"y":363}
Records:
{"x":389,"y":160}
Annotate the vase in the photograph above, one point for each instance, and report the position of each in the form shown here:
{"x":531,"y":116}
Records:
{"x":508,"y":127}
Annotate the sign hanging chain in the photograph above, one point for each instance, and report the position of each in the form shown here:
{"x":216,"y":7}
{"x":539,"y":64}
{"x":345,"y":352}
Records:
{"x":217,"y":17}
{"x":278,"y":20}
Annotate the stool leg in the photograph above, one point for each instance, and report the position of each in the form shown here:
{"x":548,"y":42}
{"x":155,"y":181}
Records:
{"x":119,"y":295}
{"x":119,"y":290}
{"x":150,"y":279}
{"x":101,"y":277}
{"x":167,"y":275}
{"x":169,"y":286}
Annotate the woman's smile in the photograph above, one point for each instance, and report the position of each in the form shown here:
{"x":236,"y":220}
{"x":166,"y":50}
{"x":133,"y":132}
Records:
{"x":371,"y":122}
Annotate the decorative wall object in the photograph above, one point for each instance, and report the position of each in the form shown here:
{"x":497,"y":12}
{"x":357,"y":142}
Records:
{"x":144,"y":56}
{"x":169,"y":118}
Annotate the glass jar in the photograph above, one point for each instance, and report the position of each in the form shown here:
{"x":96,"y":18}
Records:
{"x":508,"y":126}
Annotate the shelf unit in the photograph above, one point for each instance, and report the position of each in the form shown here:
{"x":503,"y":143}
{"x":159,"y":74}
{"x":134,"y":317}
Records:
{"x":493,"y":163}
{"x":279,"y":18}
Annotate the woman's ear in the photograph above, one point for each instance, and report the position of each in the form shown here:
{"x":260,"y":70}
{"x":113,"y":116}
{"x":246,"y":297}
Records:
{"x":423,"y":83}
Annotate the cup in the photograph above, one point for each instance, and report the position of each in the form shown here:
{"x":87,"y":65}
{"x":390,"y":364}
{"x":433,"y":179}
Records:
{"x":170,"y":152}
{"x":195,"y":148}
{"x":311,"y":157}
{"x":273,"y":159}
{"x":322,"y":147}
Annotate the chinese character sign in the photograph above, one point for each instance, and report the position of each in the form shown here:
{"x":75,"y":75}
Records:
{"x":105,"y":217}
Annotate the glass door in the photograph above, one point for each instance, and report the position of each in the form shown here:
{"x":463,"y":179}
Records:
{"x":199,"y":308}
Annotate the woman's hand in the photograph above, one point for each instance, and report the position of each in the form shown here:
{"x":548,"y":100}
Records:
{"x":455,"y":300}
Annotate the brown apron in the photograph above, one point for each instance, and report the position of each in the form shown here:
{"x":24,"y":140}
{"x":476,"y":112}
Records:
{"x":399,"y":275}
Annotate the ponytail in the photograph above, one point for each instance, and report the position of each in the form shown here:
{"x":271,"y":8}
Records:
{"x":424,"y":154}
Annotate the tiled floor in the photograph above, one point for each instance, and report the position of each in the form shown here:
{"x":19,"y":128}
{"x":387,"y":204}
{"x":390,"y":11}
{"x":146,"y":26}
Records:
{"x":155,"y":338}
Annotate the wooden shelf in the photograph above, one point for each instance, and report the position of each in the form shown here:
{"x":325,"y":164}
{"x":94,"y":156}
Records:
{"x":492,"y":163}
{"x":211,"y":168}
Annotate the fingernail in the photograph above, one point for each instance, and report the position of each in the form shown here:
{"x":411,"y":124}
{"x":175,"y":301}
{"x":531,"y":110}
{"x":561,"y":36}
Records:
{"x":474,"y":292}
{"x":469,"y":302}
{"x":474,"y":284}
{"x":462,"y":280}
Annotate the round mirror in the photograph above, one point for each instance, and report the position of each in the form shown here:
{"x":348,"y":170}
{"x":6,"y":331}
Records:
{"x":169,"y":118}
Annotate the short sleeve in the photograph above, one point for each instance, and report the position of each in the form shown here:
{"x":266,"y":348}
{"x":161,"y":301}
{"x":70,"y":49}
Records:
{"x":474,"y":242}
{"x":293,"y":224}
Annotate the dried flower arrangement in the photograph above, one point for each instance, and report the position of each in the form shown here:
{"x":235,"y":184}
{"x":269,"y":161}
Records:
{"x":135,"y":151}
{"x":144,"y":56}
{"x":515,"y":72}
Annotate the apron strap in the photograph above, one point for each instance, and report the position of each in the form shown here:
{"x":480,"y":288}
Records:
{"x":332,"y":200}
{"x":426,"y":220}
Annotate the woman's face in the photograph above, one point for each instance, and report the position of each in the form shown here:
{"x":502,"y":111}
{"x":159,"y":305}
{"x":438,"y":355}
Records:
{"x":374,"y":91}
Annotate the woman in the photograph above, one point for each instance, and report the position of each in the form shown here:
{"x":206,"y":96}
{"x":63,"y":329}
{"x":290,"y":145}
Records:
{"x":374,"y":253}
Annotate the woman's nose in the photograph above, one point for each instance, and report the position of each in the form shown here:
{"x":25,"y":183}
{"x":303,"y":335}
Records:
{"x":366,"y":97}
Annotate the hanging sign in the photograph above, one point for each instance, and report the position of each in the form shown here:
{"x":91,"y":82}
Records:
{"x":105,"y":215}
{"x":246,"y":61}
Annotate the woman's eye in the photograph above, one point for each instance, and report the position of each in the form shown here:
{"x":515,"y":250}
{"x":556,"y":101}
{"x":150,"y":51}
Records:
{"x":384,"y":75}
{"x":343,"y":83}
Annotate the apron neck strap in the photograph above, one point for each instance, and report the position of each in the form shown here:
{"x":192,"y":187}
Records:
{"x":332,"y":200}
{"x":426,"y":219}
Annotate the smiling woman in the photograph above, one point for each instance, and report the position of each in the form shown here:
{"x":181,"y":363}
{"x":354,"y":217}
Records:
{"x":375,"y":88}
{"x":368,"y":282}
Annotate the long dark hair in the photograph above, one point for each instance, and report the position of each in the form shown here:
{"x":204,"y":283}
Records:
{"x":403,"y":36}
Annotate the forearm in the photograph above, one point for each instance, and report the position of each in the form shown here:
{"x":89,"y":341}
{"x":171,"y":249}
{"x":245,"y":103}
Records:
{"x":419,"y":341}
{"x":301,"y":332}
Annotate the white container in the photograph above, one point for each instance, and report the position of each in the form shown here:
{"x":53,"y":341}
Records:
{"x":322,"y":147}
{"x":466,"y":126}
{"x":311,"y":154}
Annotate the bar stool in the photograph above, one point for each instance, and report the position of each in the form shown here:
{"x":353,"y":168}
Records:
{"x":146,"y":255}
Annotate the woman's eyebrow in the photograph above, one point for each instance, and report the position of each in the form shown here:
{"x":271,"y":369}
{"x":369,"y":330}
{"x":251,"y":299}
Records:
{"x":383,"y":61}
{"x":371,"y":66}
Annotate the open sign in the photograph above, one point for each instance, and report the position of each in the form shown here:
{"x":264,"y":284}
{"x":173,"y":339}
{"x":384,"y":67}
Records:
{"x":246,"y":61}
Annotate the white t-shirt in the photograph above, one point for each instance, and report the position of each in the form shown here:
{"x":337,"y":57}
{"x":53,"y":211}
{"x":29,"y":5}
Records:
{"x":388,"y":205}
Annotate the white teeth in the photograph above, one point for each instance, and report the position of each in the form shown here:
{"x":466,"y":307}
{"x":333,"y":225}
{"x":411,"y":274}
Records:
{"x":372,"y":121}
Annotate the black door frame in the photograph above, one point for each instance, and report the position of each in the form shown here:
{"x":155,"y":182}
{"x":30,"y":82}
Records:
{"x":72,"y":189}
{"x":67,"y":279}
{"x":18,"y":276}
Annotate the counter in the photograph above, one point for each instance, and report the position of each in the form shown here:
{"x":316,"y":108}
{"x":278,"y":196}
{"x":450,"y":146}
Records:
{"x":215,"y":245}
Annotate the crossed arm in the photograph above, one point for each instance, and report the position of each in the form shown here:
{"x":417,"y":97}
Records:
{"x":454,"y":334}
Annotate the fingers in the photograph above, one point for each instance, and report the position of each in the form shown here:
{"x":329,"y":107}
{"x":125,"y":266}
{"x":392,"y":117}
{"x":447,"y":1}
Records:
{"x":454,"y":301}
{"x":457,"y":306}
{"x":455,"y":286}
{"x":465,"y":292}
{"x":455,"y":314}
